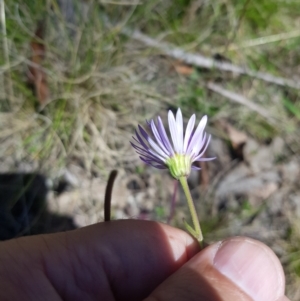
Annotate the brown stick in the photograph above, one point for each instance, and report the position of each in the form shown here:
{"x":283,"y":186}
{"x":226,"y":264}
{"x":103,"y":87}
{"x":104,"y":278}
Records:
{"x":108,"y":193}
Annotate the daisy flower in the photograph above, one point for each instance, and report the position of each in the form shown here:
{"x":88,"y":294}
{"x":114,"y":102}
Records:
{"x":178,"y":153}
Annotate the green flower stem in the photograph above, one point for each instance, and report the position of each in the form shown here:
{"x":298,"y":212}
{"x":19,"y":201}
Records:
{"x":197,"y":230}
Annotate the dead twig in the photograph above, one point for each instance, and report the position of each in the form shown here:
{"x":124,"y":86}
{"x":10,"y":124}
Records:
{"x":240,"y":99}
{"x":199,"y":60}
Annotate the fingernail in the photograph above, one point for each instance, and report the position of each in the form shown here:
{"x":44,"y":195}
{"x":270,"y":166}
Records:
{"x":252,"y":266}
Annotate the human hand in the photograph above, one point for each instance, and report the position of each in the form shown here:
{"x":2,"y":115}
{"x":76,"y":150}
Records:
{"x":137,"y":260}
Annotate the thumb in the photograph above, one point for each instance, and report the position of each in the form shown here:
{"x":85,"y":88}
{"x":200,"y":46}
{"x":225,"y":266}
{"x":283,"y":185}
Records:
{"x":237,"y":269}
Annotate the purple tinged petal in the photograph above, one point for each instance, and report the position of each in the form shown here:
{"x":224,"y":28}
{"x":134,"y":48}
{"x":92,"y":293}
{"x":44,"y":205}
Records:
{"x":139,"y":148}
{"x":159,"y":153}
{"x":147,"y":153}
{"x":145,"y":160}
{"x":188,"y":132}
{"x":158,"y":138}
{"x":197,"y":135}
{"x":154,"y":164}
{"x":140,"y":140}
{"x":136,"y":146}
{"x":164,"y":136}
{"x":150,"y":157}
{"x":157,"y":149}
{"x":143,"y":132}
{"x":173,"y":130}
{"x":159,"y":166}
{"x":195,"y":167}
{"x":179,"y":124}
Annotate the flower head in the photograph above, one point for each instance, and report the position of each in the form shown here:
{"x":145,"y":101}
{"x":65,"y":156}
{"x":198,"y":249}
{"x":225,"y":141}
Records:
{"x":178,"y":156}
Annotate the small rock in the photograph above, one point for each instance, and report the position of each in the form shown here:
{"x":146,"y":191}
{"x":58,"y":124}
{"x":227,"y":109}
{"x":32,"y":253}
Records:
{"x":70,"y":178}
{"x":275,"y":205}
{"x":262,"y":193}
{"x":262,"y":160}
{"x":240,"y":181}
{"x":218,"y":148}
{"x":250,"y":149}
{"x":291,"y":171}
{"x":236,"y":174}
{"x":277,"y":146}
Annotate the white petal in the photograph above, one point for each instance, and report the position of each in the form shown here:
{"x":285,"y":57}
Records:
{"x":188,"y":131}
{"x":198,"y":156}
{"x":159,"y":153}
{"x":164,"y":136}
{"x":199,"y":145}
{"x":179,"y":124}
{"x":204,"y":159}
{"x":173,"y":130}
{"x":197,"y":137}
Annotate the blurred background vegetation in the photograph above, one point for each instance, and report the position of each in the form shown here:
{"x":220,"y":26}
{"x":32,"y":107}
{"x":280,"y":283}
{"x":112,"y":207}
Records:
{"x":76,"y":81}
